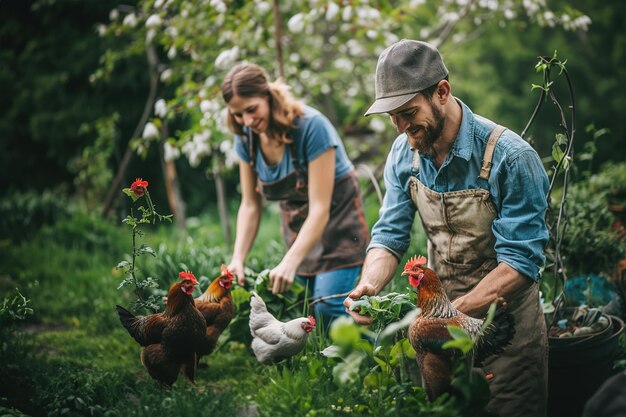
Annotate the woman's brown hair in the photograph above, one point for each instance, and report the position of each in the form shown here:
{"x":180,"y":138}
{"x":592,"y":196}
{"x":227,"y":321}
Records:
{"x":250,"y":80}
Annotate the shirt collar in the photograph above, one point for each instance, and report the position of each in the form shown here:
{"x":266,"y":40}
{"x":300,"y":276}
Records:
{"x":463,"y":144}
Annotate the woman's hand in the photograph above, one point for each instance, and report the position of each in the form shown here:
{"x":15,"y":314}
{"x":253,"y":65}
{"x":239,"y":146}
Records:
{"x":282,"y":276}
{"x":236,"y":267}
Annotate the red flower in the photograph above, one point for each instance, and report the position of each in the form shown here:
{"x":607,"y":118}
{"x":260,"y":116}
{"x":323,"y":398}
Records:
{"x":139,"y":187}
{"x":188,"y":276}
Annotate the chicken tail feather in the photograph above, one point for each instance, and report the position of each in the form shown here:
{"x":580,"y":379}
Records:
{"x":126,"y":317}
{"x":497,"y":336}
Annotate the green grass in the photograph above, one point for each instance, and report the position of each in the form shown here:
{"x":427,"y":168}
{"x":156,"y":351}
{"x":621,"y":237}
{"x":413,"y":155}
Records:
{"x":71,"y":357}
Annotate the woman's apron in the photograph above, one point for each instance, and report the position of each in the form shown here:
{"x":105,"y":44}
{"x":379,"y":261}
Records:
{"x":345,"y":236}
{"x":461,"y":250}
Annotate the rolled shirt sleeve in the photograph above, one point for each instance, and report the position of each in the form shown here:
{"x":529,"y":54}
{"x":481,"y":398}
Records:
{"x":520,"y":229}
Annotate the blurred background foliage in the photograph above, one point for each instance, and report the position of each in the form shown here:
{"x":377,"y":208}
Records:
{"x":75,"y":78}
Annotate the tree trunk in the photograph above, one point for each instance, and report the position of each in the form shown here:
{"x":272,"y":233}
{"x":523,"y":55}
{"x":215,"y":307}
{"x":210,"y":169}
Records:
{"x":278,"y":34}
{"x":114,"y":189}
{"x":172,"y":188}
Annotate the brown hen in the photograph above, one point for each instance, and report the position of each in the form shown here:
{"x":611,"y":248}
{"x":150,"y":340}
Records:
{"x":216,"y":306}
{"x":171,"y":338}
{"x":429,"y":330}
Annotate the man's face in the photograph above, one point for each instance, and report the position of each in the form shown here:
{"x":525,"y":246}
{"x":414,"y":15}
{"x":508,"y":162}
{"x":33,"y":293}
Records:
{"x":421,"y":120}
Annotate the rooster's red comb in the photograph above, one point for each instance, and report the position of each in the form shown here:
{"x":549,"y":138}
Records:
{"x":187,"y":276}
{"x":312,"y":320}
{"x":226,"y":272}
{"x":416,"y":260}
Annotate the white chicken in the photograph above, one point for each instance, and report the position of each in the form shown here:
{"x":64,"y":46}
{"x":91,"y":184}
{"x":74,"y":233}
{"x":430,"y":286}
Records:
{"x":273,"y":340}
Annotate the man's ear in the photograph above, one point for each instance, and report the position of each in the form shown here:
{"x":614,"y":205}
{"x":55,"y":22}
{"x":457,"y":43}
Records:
{"x":442,"y":93}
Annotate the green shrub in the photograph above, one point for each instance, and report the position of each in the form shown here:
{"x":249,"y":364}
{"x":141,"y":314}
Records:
{"x":22,"y":214}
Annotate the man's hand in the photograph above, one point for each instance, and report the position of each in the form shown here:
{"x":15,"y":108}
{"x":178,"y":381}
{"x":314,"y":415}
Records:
{"x":359,"y":291}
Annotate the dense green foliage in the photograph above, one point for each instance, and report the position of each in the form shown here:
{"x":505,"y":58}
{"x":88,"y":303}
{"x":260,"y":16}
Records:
{"x":75,"y":97}
{"x":72,"y":357}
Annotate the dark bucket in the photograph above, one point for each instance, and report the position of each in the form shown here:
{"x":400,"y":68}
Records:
{"x":578,"y":368}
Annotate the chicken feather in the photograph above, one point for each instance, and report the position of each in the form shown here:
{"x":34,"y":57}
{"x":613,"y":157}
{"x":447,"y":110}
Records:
{"x":273,"y":340}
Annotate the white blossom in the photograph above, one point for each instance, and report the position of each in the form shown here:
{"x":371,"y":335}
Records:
{"x":160,"y":108}
{"x":219,"y":5}
{"x":101,"y":29}
{"x":296,"y":23}
{"x":416,"y":3}
{"x":372,"y":34}
{"x":158,"y":3}
{"x":227,"y":58}
{"x":154,"y":21}
{"x":150,"y":131}
{"x":198,"y":147}
{"x":581,"y":22}
{"x":549,"y":18}
{"x":263,"y":7}
{"x":114,"y":15}
{"x":346,"y":14}
{"x":368,"y":14}
{"x":170,"y":152}
{"x":130,"y":20}
{"x":205,"y":106}
{"x":166,"y":75}
{"x":171,"y":31}
{"x":531,"y":6}
{"x":226,"y":147}
{"x":332,"y":11}
{"x":355,"y":47}
{"x":344,"y":64}
{"x":509,"y":14}
{"x":150,"y":34}
{"x":377,"y":125}
{"x":171,"y":53}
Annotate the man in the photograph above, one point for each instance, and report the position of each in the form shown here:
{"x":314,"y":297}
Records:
{"x":480,"y":191}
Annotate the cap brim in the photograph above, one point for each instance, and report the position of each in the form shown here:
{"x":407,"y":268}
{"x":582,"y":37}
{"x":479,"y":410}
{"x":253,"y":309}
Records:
{"x":387,"y":104}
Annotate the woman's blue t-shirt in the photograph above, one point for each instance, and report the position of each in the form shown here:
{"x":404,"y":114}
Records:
{"x":312,"y":136}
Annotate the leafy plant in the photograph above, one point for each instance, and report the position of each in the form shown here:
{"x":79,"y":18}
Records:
{"x":14,"y":309}
{"x":590,"y":243}
{"x":385,"y":309}
{"x":138,"y":190}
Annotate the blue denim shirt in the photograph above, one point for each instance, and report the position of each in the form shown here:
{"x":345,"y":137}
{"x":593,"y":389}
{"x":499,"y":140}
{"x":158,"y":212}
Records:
{"x":518,"y":186}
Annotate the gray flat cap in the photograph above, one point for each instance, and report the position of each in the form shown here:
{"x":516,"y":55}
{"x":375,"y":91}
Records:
{"x":404,"y":69}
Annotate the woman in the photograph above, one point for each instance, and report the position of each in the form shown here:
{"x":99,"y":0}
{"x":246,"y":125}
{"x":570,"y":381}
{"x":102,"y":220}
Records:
{"x":290,"y":152}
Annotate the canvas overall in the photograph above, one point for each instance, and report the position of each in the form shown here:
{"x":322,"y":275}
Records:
{"x":345,"y":236}
{"x":461,"y":251}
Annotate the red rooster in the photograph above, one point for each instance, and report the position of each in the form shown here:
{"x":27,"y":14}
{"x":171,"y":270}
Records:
{"x":171,"y":338}
{"x":216,"y":305}
{"x":429,"y":331}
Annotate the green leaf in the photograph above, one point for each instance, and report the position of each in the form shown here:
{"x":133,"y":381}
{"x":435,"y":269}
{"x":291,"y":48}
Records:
{"x":129,"y":193}
{"x":557,"y":153}
{"x":146,"y":249}
{"x":123,"y":264}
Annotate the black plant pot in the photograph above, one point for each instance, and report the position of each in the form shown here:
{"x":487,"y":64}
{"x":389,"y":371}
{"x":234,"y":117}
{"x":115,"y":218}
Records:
{"x":578,"y":366}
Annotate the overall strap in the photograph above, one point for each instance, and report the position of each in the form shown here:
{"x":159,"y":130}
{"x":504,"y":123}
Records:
{"x":485,"y":169}
{"x":300,"y":171}
{"x":252,"y":146}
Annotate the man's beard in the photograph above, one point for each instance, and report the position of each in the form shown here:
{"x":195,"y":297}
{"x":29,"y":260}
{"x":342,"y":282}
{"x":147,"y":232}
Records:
{"x":425,"y":144}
